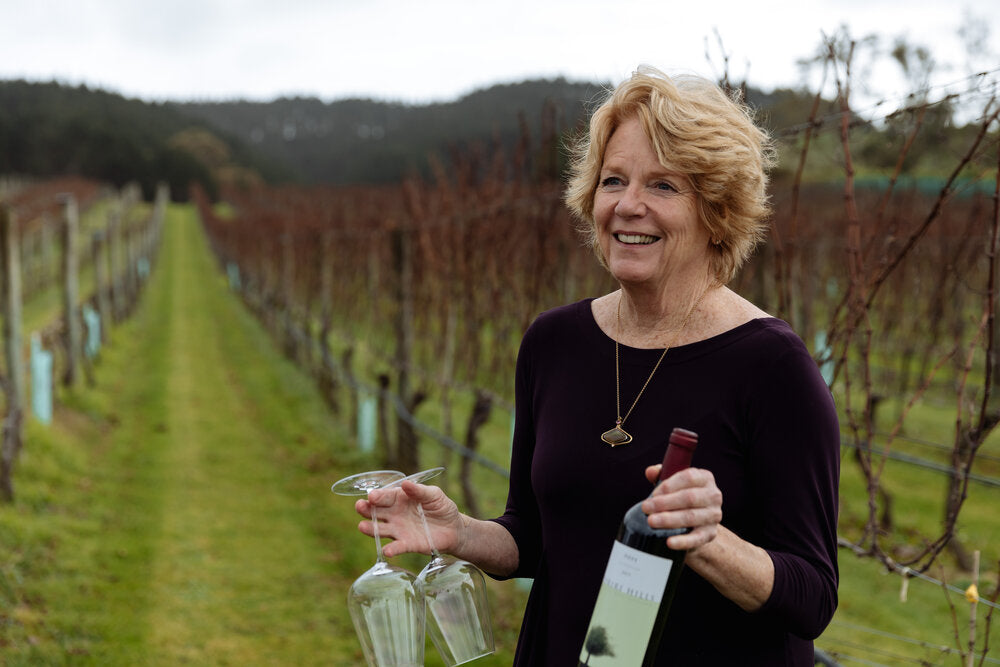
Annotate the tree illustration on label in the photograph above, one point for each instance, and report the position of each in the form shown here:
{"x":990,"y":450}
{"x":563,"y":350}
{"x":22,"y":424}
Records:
{"x":597,"y":644}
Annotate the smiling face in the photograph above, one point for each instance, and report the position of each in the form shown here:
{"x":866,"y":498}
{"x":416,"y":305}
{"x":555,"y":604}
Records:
{"x":646,"y":216}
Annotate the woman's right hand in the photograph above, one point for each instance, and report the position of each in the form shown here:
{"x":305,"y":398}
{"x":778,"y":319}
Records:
{"x":399,"y":519}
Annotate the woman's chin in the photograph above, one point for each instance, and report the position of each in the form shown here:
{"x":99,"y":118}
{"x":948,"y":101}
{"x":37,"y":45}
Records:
{"x":630,"y":273}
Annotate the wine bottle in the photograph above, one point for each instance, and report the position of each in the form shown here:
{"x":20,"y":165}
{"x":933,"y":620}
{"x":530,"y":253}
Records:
{"x":639,"y":581}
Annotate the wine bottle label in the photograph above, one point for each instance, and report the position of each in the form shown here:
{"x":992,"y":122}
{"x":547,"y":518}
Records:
{"x":626,"y":608}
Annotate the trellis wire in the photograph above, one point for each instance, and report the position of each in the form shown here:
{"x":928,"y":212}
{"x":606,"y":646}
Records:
{"x":399,"y":405}
{"x":923,"y":463}
{"x":910,"y":640}
{"x":881,"y":652}
{"x":907,"y":572}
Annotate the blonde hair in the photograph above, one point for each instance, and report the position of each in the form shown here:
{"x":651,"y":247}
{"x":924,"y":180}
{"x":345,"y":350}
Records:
{"x":696,"y":130}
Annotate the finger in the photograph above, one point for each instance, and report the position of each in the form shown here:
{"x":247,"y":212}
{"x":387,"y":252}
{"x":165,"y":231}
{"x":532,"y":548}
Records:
{"x":431,"y":498}
{"x":418,"y":492}
{"x":382,"y":497}
{"x":366,"y":528}
{"x":363,"y":508}
{"x":678,"y":481}
{"x":653,"y":473}
{"x":686,"y":518}
{"x":689,"y":498}
{"x":687,"y":478}
{"x":393,"y":548}
{"x":694,"y":539}
{"x":397,"y":544}
{"x":385,"y":530}
{"x":398,"y":548}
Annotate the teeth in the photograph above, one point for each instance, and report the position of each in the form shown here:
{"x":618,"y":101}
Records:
{"x":641,"y":239}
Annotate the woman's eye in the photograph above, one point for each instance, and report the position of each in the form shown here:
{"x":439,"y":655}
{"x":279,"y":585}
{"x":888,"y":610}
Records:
{"x":610,"y":181}
{"x":665,"y":187}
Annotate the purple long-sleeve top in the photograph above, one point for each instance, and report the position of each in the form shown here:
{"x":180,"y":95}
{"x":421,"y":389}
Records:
{"x":768,"y":431}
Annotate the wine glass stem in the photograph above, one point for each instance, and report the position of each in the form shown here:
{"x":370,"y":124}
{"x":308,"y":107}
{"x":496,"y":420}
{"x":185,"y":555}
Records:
{"x":379,"y":558}
{"x":427,"y":532}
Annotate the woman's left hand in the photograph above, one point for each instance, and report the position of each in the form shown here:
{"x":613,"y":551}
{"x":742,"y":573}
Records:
{"x":687,"y":499}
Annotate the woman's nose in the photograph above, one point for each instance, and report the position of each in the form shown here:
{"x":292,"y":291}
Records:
{"x":630,"y":204}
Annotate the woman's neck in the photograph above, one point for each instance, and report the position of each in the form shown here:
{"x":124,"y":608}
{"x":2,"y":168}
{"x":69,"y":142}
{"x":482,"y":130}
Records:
{"x":653,"y":316}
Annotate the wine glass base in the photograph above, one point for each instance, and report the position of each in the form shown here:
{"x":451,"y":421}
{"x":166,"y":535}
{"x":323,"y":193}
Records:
{"x":418,"y":477}
{"x":361,"y":483}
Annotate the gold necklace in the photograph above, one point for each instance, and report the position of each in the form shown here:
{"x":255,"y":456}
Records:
{"x":618,"y":435}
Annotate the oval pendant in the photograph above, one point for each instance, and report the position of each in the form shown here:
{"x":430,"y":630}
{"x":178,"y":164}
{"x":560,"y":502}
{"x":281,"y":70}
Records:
{"x":616,"y":436}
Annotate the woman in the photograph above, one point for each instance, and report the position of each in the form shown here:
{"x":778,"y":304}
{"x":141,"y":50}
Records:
{"x":671,"y":186}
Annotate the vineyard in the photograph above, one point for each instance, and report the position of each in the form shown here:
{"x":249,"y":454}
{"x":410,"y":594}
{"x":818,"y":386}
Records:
{"x":404,"y":306}
{"x":96,"y":267}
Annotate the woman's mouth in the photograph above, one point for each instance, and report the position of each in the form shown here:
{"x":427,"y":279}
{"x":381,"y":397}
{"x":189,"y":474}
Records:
{"x":636,"y":239}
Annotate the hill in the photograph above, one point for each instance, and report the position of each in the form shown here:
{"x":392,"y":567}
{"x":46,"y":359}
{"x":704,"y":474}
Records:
{"x":49,"y":129}
{"x":367,"y":141}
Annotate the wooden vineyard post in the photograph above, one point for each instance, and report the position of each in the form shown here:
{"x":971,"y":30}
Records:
{"x":287,"y":279}
{"x":382,"y":427}
{"x":30,"y":261}
{"x":402,"y":261}
{"x":375,"y":313}
{"x":480,"y":414}
{"x":326,"y":372}
{"x":130,"y":279}
{"x":972,"y":595}
{"x":71,"y":287}
{"x":48,"y":250}
{"x":10,"y":253}
{"x":326,"y":280}
{"x":128,"y":235}
{"x":115,"y":223}
{"x":101,"y":285}
{"x":354,"y":392}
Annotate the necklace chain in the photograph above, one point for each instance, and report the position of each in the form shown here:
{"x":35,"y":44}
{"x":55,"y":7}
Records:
{"x":621,"y":420}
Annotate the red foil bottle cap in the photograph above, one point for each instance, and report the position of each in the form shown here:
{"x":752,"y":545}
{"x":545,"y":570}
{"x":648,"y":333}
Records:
{"x":679,"y":452}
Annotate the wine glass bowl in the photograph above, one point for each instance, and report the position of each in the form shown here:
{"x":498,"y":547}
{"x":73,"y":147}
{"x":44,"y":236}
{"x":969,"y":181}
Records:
{"x":388,"y":612}
{"x":458,"y":621}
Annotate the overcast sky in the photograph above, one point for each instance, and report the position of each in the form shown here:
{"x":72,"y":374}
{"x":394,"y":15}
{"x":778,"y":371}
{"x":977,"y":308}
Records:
{"x":437,"y":50}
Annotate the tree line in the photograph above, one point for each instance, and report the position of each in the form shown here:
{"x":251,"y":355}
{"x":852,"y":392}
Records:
{"x":47,"y":129}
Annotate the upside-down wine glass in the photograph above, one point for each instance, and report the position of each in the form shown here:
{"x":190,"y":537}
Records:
{"x":386,"y":602}
{"x":455,"y":595}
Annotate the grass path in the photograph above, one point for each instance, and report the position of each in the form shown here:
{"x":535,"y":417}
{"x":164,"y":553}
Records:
{"x":184,"y":502}
{"x":237,"y":572}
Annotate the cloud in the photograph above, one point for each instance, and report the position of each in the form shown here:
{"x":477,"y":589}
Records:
{"x":436,"y":49}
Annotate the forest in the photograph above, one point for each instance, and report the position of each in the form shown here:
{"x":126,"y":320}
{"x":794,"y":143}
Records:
{"x":50,"y":129}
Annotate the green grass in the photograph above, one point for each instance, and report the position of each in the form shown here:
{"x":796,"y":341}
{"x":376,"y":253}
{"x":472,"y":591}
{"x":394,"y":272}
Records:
{"x":871,"y":622}
{"x":179,"y":511}
{"x":870,"y":596}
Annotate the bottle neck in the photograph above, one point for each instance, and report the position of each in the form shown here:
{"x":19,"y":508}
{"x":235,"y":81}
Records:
{"x":676,"y":459}
{"x":679,"y":452}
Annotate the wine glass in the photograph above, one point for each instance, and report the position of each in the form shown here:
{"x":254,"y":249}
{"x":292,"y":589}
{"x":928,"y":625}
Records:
{"x":455,"y":595}
{"x":386,"y":602}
